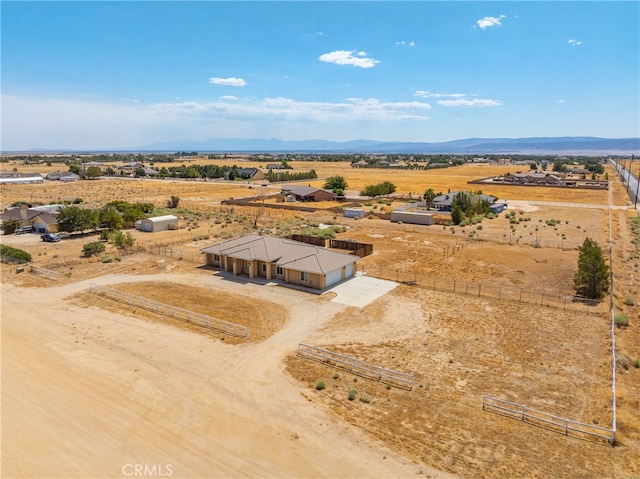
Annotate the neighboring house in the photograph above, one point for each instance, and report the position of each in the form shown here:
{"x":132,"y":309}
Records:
{"x":251,"y":174}
{"x":158,"y":223}
{"x":278,"y":258}
{"x":69,"y":177}
{"x":533,"y":178}
{"x":42,"y":220}
{"x":275,"y":166}
{"x":89,"y":164}
{"x":443,"y":202}
{"x":307,"y":193}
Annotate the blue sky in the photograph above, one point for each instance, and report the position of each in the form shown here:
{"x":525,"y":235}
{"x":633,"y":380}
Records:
{"x":106,"y":75}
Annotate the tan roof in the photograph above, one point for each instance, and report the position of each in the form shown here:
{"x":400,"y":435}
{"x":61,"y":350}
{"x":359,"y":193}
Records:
{"x":283,"y":252}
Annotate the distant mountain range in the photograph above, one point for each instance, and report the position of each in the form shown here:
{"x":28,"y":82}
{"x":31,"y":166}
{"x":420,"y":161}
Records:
{"x":586,"y":145}
{"x":539,"y":145}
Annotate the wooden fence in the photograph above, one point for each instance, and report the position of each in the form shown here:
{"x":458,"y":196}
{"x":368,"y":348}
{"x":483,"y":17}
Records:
{"x":167,"y":310}
{"x":356,"y":366}
{"x":45,"y":273}
{"x":359,"y":249}
{"x":543,"y":419}
{"x":314,"y":240}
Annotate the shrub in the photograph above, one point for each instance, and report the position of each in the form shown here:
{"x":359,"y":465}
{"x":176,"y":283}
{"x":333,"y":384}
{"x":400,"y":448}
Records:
{"x":365,"y":399}
{"x":352,"y":394}
{"x":92,"y":249}
{"x":320,"y":385}
{"x":629,"y":301}
{"x":388,"y":386}
{"x":621,"y":320}
{"x":107,"y":258}
{"x":8,"y":253}
{"x":636,"y":363}
{"x":336,"y":376}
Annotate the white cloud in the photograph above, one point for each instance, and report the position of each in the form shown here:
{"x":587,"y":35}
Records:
{"x":470,"y":102}
{"x":487,"y":22}
{"x":403,"y":43}
{"x":231,"y":81}
{"x":428,"y":94}
{"x":562,"y":100}
{"x":412,"y":44}
{"x":229,"y":97}
{"x":574,"y":43}
{"x":346,"y":57}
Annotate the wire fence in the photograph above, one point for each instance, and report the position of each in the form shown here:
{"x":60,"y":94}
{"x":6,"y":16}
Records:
{"x":485,"y":290}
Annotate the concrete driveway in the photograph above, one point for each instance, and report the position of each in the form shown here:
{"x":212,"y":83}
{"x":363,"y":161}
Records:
{"x":361,"y":290}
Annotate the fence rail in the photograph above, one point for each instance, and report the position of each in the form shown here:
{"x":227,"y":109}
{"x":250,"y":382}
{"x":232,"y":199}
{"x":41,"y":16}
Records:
{"x":356,"y":366}
{"x":45,"y":273}
{"x":486,"y":290}
{"x":543,"y":419}
{"x":198,"y":319}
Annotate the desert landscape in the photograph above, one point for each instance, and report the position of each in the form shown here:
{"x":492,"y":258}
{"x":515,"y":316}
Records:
{"x":96,"y":388}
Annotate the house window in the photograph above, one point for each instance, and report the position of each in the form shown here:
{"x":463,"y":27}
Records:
{"x":216,"y":258}
{"x":279,"y":271}
{"x":304,"y":276}
{"x":264,"y":268}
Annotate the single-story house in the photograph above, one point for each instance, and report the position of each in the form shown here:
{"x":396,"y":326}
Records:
{"x":308,"y":193}
{"x":251,"y":174}
{"x":534,"y":178}
{"x":158,"y":223}
{"x":443,"y":202}
{"x":279,"y":258}
{"x":42,"y":220}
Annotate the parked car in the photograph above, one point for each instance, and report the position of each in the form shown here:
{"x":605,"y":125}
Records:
{"x":50,"y":238}
{"x":23,"y":229}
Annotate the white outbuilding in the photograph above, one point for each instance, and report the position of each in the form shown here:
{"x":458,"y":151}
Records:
{"x":159,"y":223}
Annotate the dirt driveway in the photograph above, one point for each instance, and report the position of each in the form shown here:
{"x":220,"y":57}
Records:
{"x":89,"y":393}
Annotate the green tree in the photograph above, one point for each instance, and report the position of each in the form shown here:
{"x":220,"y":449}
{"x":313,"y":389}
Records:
{"x":74,"y":168}
{"x":592,"y":277}
{"x":429,"y":196}
{"x":73,"y":218}
{"x":94,"y":172}
{"x":110,"y":218}
{"x":10,"y":226}
{"x":533,"y":166}
{"x":334,"y":183}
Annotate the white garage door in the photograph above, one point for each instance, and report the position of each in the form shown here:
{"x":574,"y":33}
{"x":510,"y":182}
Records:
{"x":334,"y":277}
{"x":349,"y":271}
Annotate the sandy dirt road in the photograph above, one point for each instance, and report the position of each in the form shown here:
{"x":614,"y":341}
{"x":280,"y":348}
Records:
{"x":89,"y":393}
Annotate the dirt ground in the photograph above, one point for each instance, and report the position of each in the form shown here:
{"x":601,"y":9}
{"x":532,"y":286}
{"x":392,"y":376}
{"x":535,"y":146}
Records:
{"x":92,"y":387}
